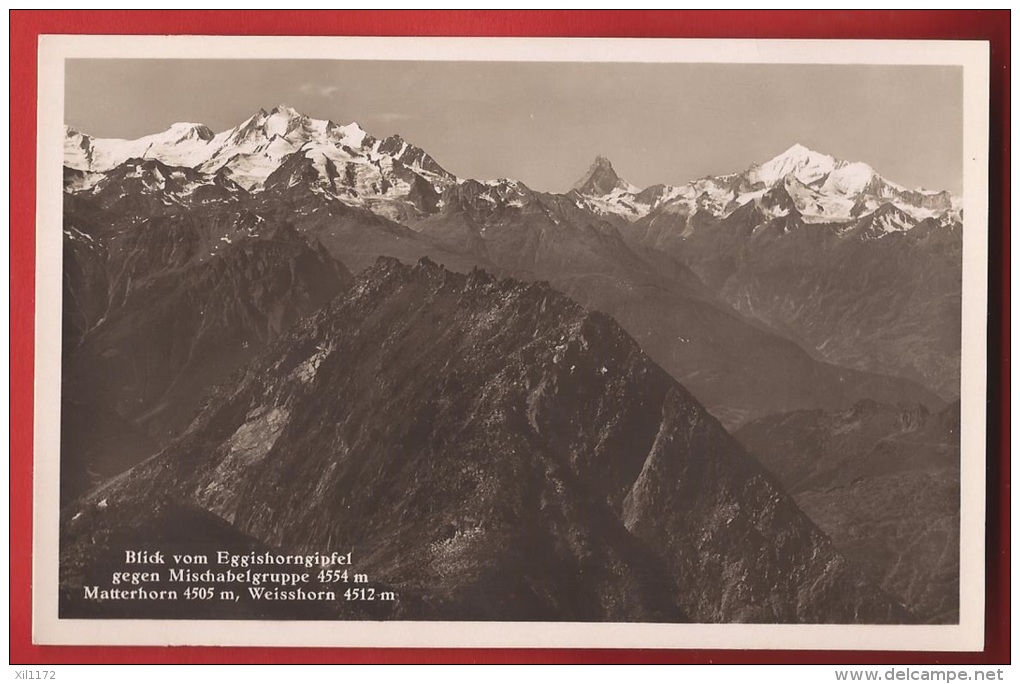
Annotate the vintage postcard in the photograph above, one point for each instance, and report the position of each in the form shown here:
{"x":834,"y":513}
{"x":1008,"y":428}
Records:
{"x":511,"y":342}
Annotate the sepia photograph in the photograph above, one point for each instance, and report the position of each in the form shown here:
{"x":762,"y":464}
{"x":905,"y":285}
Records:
{"x":515,"y":341}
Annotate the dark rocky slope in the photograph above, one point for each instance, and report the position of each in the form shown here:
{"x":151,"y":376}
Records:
{"x":736,"y":366}
{"x":884,"y":483}
{"x":493,"y":451}
{"x":178,"y":320}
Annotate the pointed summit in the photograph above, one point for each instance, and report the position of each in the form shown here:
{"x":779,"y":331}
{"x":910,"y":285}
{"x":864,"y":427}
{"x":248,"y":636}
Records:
{"x":282,"y":120}
{"x":797,"y":150}
{"x":798,"y":154}
{"x":601,"y":179}
{"x":286,"y":111}
{"x":806,"y":165}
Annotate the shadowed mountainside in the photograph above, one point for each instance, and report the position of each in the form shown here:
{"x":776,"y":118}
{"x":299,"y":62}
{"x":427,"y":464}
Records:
{"x":493,"y":451}
{"x":175,"y":321}
{"x":884,"y":483}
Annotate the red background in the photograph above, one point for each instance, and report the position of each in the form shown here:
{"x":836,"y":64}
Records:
{"x":26,"y":26}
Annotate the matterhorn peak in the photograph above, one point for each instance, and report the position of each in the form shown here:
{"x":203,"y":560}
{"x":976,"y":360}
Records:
{"x":600,"y":179}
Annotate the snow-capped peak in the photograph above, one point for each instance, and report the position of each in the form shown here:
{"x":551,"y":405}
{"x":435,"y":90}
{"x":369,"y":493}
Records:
{"x":797,"y":150}
{"x":806,"y":165}
{"x":282,"y":120}
{"x":353,"y":134}
{"x":251,"y":151}
{"x":185,"y":126}
{"x":186,"y":130}
{"x":286,"y":111}
{"x":850,"y":179}
{"x":379,"y":172}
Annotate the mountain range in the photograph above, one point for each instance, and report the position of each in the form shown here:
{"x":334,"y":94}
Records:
{"x":709,"y":305}
{"x":197,"y":264}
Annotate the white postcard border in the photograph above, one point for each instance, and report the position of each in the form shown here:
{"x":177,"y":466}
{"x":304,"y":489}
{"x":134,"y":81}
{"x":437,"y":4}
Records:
{"x":968,"y":635}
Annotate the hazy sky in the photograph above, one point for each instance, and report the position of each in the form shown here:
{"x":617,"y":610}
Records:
{"x":543,"y":123}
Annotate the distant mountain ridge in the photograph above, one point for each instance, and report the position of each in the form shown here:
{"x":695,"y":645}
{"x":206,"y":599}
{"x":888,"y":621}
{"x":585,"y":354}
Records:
{"x":815,"y":187}
{"x":823,"y":188}
{"x":364,"y":197}
{"x":344,"y":160}
{"x":753,"y":238}
{"x":857,"y":269}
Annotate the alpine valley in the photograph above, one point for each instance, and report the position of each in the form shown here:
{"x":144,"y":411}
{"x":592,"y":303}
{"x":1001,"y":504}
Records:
{"x":514,"y":404}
